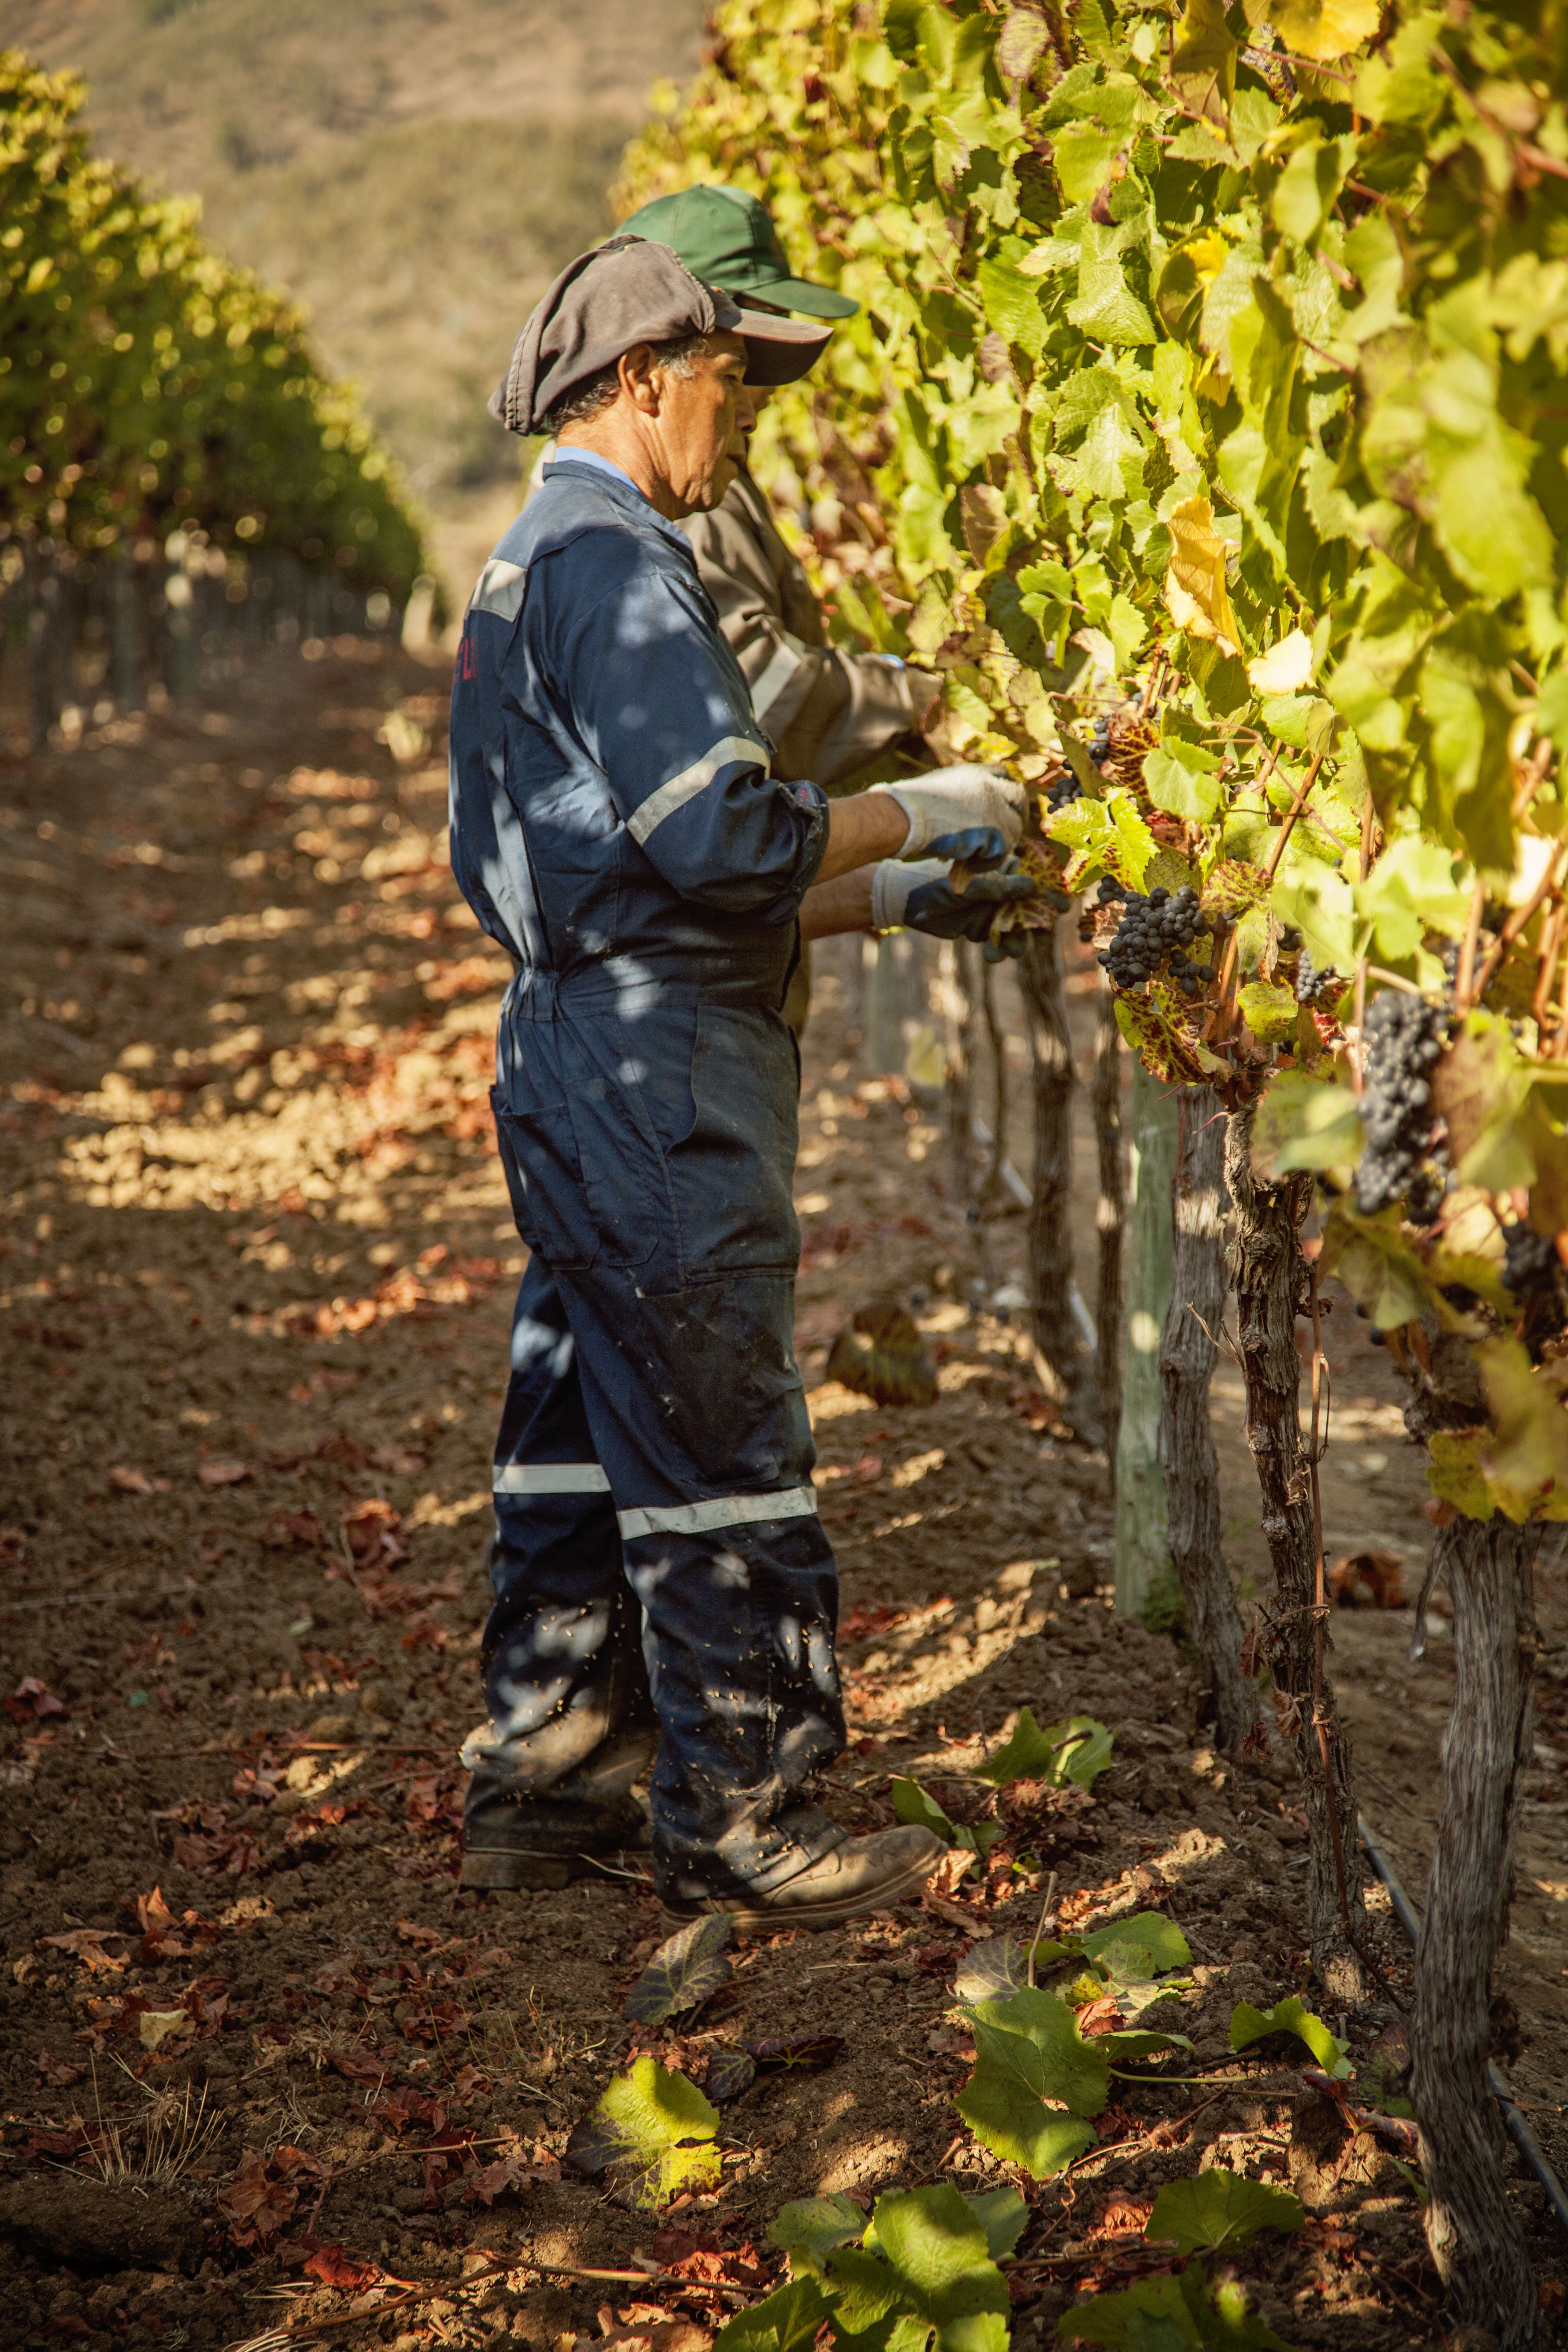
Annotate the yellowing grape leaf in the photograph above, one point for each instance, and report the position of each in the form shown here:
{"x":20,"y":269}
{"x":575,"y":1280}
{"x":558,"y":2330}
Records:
{"x":1196,"y":594}
{"x":1286,"y":667}
{"x":1320,"y":30}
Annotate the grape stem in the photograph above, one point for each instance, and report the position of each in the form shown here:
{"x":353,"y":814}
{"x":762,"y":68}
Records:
{"x":1228,"y":970}
{"x":1550,"y":883}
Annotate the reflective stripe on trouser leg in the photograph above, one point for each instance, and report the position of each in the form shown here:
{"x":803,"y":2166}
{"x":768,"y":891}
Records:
{"x":561,"y":1659}
{"x":735,"y":1575}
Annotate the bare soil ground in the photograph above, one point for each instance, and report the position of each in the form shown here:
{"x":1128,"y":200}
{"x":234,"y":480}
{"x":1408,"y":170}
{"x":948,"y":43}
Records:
{"x":265,"y":2069}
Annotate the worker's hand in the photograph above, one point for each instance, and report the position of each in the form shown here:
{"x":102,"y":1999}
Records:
{"x":920,"y":896}
{"x":952,"y":800}
{"x":980,"y":848}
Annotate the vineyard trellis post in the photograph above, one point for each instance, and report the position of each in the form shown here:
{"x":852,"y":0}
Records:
{"x":1142,"y":1546}
{"x":955,"y":995}
{"x":1109,"y":1219}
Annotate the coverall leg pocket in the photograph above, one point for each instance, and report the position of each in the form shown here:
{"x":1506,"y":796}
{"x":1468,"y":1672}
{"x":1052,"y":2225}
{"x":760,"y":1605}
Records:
{"x":544,"y":1176}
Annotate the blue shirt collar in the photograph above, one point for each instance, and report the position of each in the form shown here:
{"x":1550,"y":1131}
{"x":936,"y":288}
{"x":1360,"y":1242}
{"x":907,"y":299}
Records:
{"x":619,"y":479}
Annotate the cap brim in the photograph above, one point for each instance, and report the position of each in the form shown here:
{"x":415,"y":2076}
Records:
{"x":800,"y":294}
{"x":778,"y":351}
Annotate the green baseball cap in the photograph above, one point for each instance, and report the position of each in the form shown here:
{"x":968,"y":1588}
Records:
{"x":726,"y":238}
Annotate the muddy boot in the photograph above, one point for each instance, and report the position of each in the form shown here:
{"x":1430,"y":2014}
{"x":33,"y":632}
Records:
{"x":862,"y":1874}
{"x":515,"y":1840}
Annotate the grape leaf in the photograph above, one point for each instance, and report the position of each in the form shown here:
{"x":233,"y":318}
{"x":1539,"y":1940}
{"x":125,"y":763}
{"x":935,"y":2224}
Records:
{"x":685,"y":1969}
{"x":1173,"y":2314}
{"x":1219,"y":2209}
{"x":1028,"y":2050}
{"x":730,"y":2073}
{"x":788,"y":2320}
{"x":652,"y":2132}
{"x":1305,"y":1122}
{"x":1249,"y":2025}
{"x":812,"y":2227}
{"x":1148,"y":1937}
{"x":1078,"y":1750}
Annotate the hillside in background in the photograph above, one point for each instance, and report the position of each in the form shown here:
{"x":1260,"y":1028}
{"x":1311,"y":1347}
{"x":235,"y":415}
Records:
{"x":413,"y":170}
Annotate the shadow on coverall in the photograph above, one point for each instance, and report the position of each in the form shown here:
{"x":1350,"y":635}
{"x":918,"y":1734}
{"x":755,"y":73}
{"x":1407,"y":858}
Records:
{"x":616,"y":828}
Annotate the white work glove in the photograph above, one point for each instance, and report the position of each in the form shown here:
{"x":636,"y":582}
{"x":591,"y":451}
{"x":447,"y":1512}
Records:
{"x":950,"y":800}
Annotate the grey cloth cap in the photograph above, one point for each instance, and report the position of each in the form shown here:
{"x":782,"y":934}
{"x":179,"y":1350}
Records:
{"x":630,"y":290}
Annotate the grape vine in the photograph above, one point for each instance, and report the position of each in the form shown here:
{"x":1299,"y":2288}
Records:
{"x":146,"y":385}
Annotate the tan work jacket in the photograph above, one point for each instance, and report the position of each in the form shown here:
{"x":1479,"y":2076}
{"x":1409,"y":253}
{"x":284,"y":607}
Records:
{"x":828,"y":711}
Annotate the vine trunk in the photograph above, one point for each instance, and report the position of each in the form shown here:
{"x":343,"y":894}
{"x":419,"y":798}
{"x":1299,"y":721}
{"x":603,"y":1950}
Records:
{"x":1270,"y":1279}
{"x":1472,"y":2229}
{"x":1056,"y":1333}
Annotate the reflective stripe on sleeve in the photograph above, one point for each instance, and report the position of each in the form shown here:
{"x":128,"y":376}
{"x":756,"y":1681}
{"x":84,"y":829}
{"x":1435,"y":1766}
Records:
{"x":777,"y":675}
{"x":692,"y":780}
{"x":499,"y":590}
{"x":549,"y":1478}
{"x":721,"y":1511}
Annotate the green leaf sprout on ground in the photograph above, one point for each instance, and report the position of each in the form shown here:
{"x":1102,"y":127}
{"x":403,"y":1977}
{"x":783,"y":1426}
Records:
{"x":1078,"y":1751}
{"x":1219,"y":2209}
{"x":1166,"y":2315}
{"x":652,"y":2134}
{"x":1070,"y":1754}
{"x":925,"y":2265}
{"x":1249,"y":2025}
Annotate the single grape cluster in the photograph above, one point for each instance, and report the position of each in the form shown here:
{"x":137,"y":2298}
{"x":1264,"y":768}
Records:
{"x":1530,"y":1262}
{"x":1405,"y":1036}
{"x":1313,"y":986}
{"x":1161,"y":925}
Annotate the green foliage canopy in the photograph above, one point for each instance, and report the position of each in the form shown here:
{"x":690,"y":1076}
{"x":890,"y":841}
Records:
{"x":145,"y":384}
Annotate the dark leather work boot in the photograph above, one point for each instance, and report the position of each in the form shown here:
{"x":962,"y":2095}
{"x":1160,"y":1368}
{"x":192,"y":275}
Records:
{"x":516,"y":1840}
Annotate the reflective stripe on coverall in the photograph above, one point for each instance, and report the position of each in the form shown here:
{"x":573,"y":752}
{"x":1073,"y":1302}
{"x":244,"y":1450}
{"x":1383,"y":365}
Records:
{"x":615,"y":827}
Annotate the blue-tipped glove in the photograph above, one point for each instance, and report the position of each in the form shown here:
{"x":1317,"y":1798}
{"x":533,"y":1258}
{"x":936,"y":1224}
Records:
{"x":920,"y":896}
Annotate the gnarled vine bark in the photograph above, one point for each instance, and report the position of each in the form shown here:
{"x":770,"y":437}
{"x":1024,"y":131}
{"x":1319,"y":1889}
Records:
{"x":1471,"y":2228}
{"x":1270,"y":1279}
{"x":1056,"y":1333}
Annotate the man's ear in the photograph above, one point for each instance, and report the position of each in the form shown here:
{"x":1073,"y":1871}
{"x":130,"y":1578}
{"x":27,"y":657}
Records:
{"x":635,"y":370}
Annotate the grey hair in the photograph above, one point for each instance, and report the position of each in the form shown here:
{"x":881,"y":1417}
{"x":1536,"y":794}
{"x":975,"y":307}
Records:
{"x":595,"y":392}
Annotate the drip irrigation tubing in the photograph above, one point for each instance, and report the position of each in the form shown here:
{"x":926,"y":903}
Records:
{"x":1519,"y":2131}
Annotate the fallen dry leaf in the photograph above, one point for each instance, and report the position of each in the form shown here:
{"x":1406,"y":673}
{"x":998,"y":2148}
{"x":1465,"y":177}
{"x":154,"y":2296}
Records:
{"x":225,"y":1474}
{"x":86,"y":1945}
{"x":130,"y":1481}
{"x":156,"y":2026}
{"x":1368,"y":1580}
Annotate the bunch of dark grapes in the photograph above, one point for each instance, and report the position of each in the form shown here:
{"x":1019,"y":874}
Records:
{"x":1313,"y":986}
{"x":1405,"y":1036}
{"x":1530,"y":1262}
{"x":1163,"y":925}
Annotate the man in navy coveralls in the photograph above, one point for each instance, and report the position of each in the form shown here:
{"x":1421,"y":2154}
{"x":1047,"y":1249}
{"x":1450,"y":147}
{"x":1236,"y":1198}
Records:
{"x":660,"y":1575}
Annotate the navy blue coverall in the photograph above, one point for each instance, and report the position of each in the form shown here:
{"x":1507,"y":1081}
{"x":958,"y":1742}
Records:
{"x":616,"y":828}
